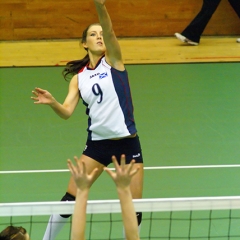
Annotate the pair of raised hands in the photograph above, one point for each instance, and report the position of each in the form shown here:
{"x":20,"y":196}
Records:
{"x":122,"y":175}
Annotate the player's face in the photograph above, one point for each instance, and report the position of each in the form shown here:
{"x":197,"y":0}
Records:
{"x":94,"y":41}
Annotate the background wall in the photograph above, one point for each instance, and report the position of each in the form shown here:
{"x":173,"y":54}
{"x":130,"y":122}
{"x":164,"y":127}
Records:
{"x":62,"y":19}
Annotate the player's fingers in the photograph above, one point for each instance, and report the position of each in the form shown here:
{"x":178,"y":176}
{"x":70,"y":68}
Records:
{"x":109,"y":172}
{"x":34,"y":98}
{"x":40,"y":90}
{"x":70,"y":166}
{"x":78,"y":164}
{"x":115,"y":162}
{"x":129,"y":166}
{"x":134,"y":171}
{"x":35,"y":93}
{"x":94,"y":171}
{"x":84,"y":169}
{"x":123,"y":161}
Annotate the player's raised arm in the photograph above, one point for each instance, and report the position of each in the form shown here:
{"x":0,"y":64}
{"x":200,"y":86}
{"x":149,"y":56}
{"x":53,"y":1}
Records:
{"x":83,"y":180}
{"x":113,"y":51}
{"x":122,"y":178}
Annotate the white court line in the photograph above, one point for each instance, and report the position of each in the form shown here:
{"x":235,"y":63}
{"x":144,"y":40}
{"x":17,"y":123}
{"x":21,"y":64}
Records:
{"x":145,"y":168}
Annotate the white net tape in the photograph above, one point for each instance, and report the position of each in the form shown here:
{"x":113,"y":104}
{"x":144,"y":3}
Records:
{"x":113,"y":206}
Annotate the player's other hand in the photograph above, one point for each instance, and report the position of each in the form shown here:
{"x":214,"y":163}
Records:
{"x":80,"y":175}
{"x":42,"y":96}
{"x":123,"y":172}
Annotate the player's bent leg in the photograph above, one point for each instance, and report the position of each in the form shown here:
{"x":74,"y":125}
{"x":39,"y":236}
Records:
{"x":67,"y":198}
{"x":136,"y":185}
{"x":56,"y":221}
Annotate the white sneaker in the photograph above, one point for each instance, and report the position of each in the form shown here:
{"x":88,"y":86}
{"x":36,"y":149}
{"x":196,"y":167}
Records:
{"x":238,"y":40}
{"x":185,"y":40}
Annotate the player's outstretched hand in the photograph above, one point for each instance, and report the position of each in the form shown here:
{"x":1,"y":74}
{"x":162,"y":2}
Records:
{"x":123,"y":173}
{"x":42,"y":96}
{"x":79,"y":173}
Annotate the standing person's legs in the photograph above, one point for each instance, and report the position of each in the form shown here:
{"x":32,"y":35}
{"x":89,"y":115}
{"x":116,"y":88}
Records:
{"x":195,"y":29}
{"x":56,"y":221}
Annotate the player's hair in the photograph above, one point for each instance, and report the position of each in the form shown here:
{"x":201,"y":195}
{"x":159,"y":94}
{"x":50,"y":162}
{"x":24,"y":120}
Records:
{"x":13,"y":233}
{"x":73,"y":67}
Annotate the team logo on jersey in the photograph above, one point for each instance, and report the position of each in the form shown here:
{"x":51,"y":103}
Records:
{"x":103,"y":75}
{"x":94,"y":75}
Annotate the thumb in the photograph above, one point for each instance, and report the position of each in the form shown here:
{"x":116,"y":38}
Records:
{"x":109,"y":172}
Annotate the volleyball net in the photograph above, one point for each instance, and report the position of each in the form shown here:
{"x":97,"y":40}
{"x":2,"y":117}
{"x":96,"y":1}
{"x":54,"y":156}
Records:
{"x":167,"y":218}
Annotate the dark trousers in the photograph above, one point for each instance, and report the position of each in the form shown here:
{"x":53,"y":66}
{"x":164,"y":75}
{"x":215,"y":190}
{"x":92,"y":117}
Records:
{"x":195,"y":29}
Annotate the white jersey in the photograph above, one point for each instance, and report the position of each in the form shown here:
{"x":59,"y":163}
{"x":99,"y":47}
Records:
{"x":105,"y":92}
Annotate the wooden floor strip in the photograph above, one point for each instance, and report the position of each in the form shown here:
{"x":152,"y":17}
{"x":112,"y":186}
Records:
{"x":135,"y":51}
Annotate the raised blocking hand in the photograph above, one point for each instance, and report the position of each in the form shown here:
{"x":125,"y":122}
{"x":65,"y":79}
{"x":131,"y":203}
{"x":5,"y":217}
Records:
{"x":124,"y":173}
{"x":79,"y":173}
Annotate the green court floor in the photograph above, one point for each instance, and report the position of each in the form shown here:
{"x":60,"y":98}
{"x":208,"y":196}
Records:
{"x":186,"y":114}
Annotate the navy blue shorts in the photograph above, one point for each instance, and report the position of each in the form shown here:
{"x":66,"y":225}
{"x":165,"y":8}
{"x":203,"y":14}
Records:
{"x":103,"y":150}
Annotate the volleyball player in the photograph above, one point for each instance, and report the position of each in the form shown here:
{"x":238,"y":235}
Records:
{"x":101,"y":81}
{"x":122,"y":178}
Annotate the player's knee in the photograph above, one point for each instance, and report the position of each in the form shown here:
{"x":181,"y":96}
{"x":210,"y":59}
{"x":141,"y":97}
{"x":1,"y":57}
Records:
{"x":67,"y":197}
{"x":139,"y":217}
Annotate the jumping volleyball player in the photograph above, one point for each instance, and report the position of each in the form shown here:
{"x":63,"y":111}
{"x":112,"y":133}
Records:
{"x":101,"y":81}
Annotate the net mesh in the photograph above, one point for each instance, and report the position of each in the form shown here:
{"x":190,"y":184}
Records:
{"x":171,"y":218}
